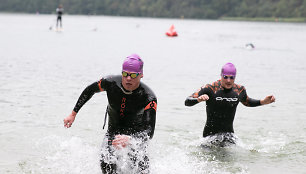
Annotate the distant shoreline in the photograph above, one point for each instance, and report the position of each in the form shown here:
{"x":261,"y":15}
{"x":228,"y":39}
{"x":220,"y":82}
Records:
{"x":255,"y":19}
{"x":264,"y":19}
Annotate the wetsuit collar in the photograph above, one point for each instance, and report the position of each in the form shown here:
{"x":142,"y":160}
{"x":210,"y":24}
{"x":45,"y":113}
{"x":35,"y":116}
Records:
{"x":227,"y":90}
{"x":125,"y":91}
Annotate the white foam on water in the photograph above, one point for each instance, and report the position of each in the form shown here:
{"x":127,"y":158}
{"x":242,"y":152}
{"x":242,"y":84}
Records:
{"x":57,"y":154}
{"x":60,"y":155}
{"x":269,"y":142}
{"x":72,"y":155}
{"x":191,"y":158}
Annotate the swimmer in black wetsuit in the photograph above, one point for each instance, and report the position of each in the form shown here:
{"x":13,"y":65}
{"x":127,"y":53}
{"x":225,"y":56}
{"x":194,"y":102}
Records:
{"x":131,"y":109}
{"x":59,"y":12}
{"x":222,"y":98}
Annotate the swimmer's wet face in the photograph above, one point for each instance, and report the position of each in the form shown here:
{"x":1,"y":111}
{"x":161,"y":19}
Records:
{"x":132,"y":72}
{"x":128,"y":82}
{"x":228,"y":74}
{"x":227,"y":81}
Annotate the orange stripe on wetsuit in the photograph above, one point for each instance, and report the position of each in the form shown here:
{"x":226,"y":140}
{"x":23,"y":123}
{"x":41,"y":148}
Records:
{"x":99,"y":84}
{"x":152,"y":105}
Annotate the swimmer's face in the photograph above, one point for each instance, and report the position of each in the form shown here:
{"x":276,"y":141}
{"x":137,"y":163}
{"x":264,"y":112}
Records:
{"x":227,"y":81}
{"x":130,"y":83}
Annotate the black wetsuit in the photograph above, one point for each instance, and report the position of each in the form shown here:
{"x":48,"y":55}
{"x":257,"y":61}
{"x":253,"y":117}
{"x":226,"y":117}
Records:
{"x":221,"y":106}
{"x":130,"y":113}
{"x":59,"y":12}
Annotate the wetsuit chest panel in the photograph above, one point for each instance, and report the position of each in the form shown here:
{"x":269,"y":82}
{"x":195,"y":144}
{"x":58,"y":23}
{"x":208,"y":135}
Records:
{"x":221,"y":109}
{"x":126,"y":110}
{"x":226,"y":100}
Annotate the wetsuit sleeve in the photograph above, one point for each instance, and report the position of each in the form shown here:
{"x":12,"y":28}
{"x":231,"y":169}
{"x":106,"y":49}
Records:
{"x":150,"y":118}
{"x":193,"y":98}
{"x":88,"y":92}
{"x":246,"y":101}
{"x":190,"y":101}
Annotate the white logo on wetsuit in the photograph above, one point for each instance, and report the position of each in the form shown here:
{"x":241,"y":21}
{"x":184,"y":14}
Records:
{"x":227,"y":99}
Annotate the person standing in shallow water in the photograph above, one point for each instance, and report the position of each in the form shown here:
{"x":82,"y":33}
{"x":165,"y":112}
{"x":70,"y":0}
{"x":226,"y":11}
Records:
{"x":222,"y":98}
{"x":59,"y":12}
{"x":132,"y":114}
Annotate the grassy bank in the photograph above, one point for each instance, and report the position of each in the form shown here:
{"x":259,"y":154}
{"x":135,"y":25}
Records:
{"x":270,"y":19}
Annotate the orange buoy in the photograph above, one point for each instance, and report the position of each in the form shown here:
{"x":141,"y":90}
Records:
{"x":171,"y":32}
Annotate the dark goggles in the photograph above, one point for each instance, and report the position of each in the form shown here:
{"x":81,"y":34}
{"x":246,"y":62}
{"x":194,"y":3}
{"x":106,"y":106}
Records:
{"x":132,"y":75}
{"x":231,"y":77}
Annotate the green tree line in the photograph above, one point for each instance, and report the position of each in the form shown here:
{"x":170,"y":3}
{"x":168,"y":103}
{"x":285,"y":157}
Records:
{"x":201,"y":9}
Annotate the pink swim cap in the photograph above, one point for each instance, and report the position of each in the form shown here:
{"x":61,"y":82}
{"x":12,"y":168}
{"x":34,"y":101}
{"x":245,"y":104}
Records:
{"x":133,"y":63}
{"x":228,"y":69}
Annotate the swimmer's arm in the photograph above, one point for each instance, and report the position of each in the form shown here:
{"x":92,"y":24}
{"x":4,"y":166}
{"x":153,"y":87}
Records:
{"x":197,"y":97}
{"x":148,"y":125}
{"x":69,"y":119}
{"x":251,"y":102}
{"x":121,"y":141}
{"x":88,"y":92}
{"x":150,"y":118}
{"x":247,"y":101}
{"x":269,"y":99}
{"x":190,"y":101}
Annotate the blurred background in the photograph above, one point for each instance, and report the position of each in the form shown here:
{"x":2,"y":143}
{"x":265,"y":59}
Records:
{"x":43,"y":71}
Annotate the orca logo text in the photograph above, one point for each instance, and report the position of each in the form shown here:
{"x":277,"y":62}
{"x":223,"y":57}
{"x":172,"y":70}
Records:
{"x":227,"y":99}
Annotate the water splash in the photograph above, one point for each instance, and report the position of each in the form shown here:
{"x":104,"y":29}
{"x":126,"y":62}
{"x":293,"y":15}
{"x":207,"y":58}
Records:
{"x":59,"y":155}
{"x":128,"y":160}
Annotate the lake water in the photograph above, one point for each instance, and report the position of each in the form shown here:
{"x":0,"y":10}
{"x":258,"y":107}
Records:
{"x":43,"y":72}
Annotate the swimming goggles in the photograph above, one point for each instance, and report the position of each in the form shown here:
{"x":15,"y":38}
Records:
{"x":231,"y":77}
{"x":132,"y":75}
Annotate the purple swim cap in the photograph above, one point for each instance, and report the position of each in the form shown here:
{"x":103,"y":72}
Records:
{"x":228,"y":69}
{"x":133,"y":63}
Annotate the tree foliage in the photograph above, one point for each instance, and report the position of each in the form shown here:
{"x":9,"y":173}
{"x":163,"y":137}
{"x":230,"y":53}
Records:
{"x":208,"y":9}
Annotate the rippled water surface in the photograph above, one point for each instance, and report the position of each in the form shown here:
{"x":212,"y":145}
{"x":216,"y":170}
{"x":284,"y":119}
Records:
{"x":43,"y":73}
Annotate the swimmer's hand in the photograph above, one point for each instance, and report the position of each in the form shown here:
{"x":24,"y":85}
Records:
{"x":269,"y":99}
{"x":69,"y":120}
{"x":121,"y":141}
{"x":203,"y":97}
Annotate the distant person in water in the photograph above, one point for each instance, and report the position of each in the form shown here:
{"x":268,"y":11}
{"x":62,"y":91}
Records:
{"x":249,"y":46}
{"x":59,"y":12}
{"x":132,"y":114}
{"x":222,"y":98}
